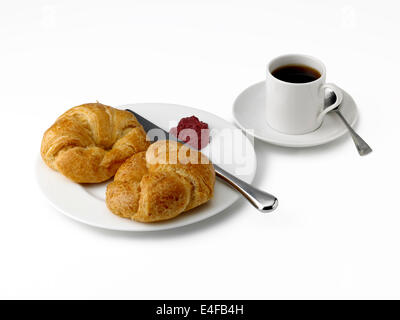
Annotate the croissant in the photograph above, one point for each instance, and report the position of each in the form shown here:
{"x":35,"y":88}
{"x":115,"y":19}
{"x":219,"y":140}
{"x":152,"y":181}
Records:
{"x":161,"y":183}
{"x":88,"y":143}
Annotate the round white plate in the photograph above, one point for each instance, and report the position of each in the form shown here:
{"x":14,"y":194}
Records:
{"x":86,"y":202}
{"x":249,"y":115}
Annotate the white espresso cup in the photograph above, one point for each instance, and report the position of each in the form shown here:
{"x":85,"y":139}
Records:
{"x":297,"y":108}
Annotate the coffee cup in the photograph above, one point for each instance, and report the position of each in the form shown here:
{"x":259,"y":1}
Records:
{"x":295,"y":91}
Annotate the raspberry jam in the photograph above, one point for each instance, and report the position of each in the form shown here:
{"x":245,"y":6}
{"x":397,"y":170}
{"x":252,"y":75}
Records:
{"x":193,"y":132}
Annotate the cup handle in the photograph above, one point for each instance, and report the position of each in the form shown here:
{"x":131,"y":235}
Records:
{"x":339,"y":99}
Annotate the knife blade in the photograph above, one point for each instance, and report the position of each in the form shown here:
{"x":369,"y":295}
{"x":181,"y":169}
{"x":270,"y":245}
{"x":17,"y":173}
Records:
{"x":261,"y":200}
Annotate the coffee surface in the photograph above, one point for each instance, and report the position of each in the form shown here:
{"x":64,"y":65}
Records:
{"x":296,"y":73}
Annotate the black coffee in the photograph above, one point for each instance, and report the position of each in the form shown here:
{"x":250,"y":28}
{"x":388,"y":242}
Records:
{"x":296,"y":73}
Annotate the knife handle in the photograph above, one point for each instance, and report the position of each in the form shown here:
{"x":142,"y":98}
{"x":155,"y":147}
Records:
{"x":262,"y":200}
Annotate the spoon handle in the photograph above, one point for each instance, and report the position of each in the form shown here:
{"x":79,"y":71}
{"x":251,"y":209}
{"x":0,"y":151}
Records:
{"x":262,"y":200}
{"x":362,"y":147}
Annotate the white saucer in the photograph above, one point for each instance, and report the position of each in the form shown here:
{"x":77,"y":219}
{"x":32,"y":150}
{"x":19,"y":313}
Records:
{"x":248,"y":112}
{"x":86,"y":202}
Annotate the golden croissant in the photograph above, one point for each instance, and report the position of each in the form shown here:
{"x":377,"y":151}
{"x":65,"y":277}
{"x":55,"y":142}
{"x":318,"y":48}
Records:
{"x":161,"y":183}
{"x":88,"y":143}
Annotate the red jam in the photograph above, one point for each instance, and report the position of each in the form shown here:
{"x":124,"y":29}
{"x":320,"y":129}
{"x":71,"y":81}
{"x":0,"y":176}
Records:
{"x":193,"y":132}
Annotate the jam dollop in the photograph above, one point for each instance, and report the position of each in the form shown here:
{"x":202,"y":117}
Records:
{"x":193,"y":132}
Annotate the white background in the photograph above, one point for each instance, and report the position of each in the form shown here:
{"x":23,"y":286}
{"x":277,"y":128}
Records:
{"x":336,"y":233}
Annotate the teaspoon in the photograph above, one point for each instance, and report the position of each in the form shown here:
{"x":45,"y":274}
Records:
{"x":362,"y":147}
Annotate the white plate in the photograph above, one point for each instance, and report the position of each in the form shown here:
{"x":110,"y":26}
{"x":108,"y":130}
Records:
{"x":249,"y":114}
{"x":86,"y":202}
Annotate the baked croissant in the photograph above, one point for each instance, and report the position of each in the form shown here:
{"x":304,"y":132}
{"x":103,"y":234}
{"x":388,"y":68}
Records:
{"x":88,"y":143}
{"x":161,"y":183}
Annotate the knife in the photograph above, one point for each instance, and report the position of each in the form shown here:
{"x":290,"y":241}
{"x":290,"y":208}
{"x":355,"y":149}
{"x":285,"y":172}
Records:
{"x":262,"y":200}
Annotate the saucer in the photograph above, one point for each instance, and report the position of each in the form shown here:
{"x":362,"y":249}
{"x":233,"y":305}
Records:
{"x":249,"y":115}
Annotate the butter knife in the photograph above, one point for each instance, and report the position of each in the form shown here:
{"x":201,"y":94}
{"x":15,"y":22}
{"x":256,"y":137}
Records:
{"x":261,"y":200}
